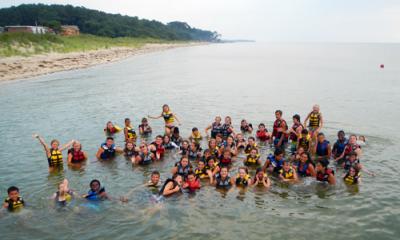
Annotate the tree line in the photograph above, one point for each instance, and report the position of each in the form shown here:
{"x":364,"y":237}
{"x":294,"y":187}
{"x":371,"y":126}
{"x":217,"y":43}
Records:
{"x":100,"y":23}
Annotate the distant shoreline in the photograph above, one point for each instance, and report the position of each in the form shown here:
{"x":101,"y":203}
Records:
{"x":16,"y":68}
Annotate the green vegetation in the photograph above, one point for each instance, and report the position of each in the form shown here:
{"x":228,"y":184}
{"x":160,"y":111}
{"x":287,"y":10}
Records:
{"x":27,"y":44}
{"x":100,"y":23}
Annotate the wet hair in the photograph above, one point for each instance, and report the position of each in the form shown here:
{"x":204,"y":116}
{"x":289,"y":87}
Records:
{"x":195,"y":129}
{"x":12,"y":189}
{"x":165,"y":105}
{"x":321,"y":134}
{"x":261,"y":124}
{"x":191,"y":173}
{"x":259,"y":170}
{"x":341,"y":132}
{"x":127,"y":119}
{"x":155,"y":173}
{"x":93,"y":181}
{"x":297,"y":117}
{"x":159,"y":136}
{"x":304,"y":131}
{"x":218,"y":135}
{"x":176,"y":130}
{"x":223,"y":168}
{"x":278,"y":151}
{"x":53,"y":141}
{"x":244,"y":168}
{"x":279,"y":111}
{"x":324,"y":163}
{"x":202,"y":162}
{"x":251,"y":137}
{"x":109,"y":138}
{"x":144,"y":119}
{"x":286,"y":162}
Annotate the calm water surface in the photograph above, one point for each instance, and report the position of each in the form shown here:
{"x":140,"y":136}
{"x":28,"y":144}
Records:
{"x":246,"y":80}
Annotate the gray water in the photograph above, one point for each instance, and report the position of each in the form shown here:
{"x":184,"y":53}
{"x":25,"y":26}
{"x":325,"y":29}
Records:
{"x":243,"y":80}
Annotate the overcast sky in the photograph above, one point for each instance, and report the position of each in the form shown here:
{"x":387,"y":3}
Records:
{"x":265,"y":20}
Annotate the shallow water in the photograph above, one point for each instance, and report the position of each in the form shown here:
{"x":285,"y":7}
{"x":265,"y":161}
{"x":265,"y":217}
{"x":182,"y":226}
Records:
{"x":246,"y":80}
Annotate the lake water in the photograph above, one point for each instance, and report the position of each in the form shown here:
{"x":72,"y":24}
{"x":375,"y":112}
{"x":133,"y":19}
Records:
{"x":243,"y":80}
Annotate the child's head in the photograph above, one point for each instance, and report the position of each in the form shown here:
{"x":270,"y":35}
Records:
{"x":110,"y":125}
{"x":224,"y":171}
{"x":212,"y":143}
{"x":155,"y":177}
{"x":361,"y":138}
{"x":201,"y":164}
{"x":278,"y":153}
{"x":286,"y":165}
{"x":253,"y":152}
{"x":129,"y":146}
{"x":178,"y":179}
{"x":13,"y":193}
{"x":194,"y":146}
{"x":278,"y":114}
{"x":144,"y":121}
{"x":109,"y":141}
{"x":243,"y":171}
{"x":296,"y":118}
{"x":207,"y":153}
{"x":211,"y":161}
{"x":166,"y":139}
{"x":300,"y":150}
{"x":165,"y":108}
{"x":184,"y":161}
{"x":185,"y":144}
{"x":176,"y":131}
{"x":251,"y":140}
{"x":352,"y":156}
{"x":353,"y":171}
{"x":227,"y":154}
{"x":159,"y":139}
{"x":127,"y":122}
{"x":243,"y":123}
{"x":219,"y":138}
{"x":353,"y":139}
{"x":95,"y":185}
{"x":228,"y":120}
{"x":143,"y":148}
{"x":229,"y":140}
{"x":259,"y":173}
{"x":261,"y":126}
{"x":322,"y":165}
{"x":76,"y":146}
{"x":195,"y":130}
{"x":315,"y":108}
{"x":304,"y":157}
{"x":321,"y":137}
{"x":341,"y":134}
{"x":191,"y":177}
{"x":218,"y":119}
{"x":54,"y":144}
{"x":304,"y":132}
{"x":239,"y":136}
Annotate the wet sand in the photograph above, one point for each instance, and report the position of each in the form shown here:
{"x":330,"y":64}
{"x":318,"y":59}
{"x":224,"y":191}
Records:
{"x":13,"y":68}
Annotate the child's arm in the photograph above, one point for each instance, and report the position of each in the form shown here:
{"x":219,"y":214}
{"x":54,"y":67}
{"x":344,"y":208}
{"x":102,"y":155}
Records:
{"x":69,"y":144}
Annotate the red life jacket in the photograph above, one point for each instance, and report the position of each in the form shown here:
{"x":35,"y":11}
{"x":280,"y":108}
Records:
{"x":325,"y":175}
{"x":262,"y":135}
{"x":293,"y":136}
{"x":278,"y":124}
{"x":159,"y":149}
{"x":77,"y":156}
{"x":350,"y":148}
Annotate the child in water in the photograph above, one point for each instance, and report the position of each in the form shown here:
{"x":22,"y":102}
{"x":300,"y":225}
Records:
{"x":14,"y":201}
{"x":261,"y":179}
{"x":287,"y":173}
{"x":192,"y":182}
{"x":63,"y":195}
{"x":96,"y":192}
{"x":195,"y":136}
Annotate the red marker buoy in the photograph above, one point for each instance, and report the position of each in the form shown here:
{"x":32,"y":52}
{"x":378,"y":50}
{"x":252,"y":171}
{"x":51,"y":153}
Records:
{"x":382,"y":66}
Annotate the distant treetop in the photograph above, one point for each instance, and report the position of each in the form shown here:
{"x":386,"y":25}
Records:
{"x":100,"y":23}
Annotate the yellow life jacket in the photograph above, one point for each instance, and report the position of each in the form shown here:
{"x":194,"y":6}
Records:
{"x":304,"y":141}
{"x":211,"y":168}
{"x":352,"y":179}
{"x":197,"y":137}
{"x":131,"y":133}
{"x":56,"y":158}
{"x":201,"y":173}
{"x":287,"y":175}
{"x":251,"y":160}
{"x":314,"y":119}
{"x":117,"y":128}
{"x":168,"y":117}
{"x":242,"y":181}
{"x":249,"y":147}
{"x":13,"y":205}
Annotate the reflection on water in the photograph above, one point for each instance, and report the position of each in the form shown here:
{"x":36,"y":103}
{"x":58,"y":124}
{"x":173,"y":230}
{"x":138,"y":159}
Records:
{"x":246,"y":81}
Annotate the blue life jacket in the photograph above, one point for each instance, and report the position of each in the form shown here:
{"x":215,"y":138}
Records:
{"x":322,"y":148}
{"x":108,"y":152}
{"x":276,"y":164}
{"x":93,"y":195}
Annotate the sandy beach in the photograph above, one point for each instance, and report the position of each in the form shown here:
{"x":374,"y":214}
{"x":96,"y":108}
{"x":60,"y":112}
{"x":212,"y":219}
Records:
{"x":13,"y":68}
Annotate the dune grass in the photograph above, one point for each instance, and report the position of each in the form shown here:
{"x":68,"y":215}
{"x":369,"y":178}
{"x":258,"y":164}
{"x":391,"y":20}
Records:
{"x":28,"y":44}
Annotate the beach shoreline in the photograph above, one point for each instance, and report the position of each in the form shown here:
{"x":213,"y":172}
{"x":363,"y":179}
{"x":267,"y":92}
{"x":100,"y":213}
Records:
{"x":18,"y":68}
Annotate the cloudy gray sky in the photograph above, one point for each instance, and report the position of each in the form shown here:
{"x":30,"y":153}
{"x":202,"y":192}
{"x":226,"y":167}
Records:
{"x":266,"y":20}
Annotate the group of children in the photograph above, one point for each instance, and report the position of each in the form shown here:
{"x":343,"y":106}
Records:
{"x":299,"y":151}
